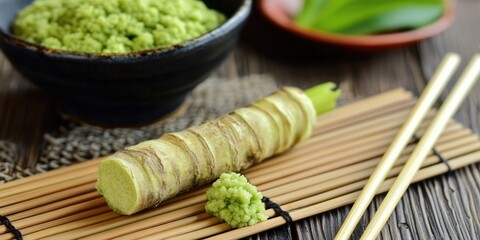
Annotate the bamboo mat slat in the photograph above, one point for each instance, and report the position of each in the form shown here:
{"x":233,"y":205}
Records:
{"x":323,"y":173}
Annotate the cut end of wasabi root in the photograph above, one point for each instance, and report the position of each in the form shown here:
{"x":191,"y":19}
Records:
{"x":324,"y":97}
{"x":235,"y":201}
{"x":118,"y":187}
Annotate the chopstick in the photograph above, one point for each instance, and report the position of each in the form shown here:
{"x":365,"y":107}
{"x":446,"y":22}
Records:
{"x":432,"y":91}
{"x":446,"y":111}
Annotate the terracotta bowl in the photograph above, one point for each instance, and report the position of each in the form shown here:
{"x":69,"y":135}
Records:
{"x":281,"y":12}
{"x":123,"y":89}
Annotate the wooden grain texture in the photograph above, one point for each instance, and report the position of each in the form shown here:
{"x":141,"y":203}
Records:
{"x":25,"y":114}
{"x":446,"y":207}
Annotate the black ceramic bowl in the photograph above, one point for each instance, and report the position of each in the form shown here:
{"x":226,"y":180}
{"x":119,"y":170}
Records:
{"x":123,"y":89}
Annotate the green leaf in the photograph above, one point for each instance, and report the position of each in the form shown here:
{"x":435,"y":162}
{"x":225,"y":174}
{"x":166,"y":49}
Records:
{"x":309,"y":11}
{"x":371,"y":16}
{"x":396,"y":19}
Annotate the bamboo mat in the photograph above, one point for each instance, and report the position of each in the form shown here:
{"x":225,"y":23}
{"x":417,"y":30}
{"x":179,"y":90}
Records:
{"x":323,"y":173}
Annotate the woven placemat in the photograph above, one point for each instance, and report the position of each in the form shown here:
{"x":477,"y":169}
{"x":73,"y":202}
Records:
{"x":75,"y":142}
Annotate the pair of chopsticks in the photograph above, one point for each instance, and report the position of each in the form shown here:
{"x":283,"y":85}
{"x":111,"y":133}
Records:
{"x":431,"y":93}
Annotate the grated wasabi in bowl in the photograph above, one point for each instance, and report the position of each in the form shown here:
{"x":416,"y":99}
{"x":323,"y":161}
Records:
{"x":114,"y":26}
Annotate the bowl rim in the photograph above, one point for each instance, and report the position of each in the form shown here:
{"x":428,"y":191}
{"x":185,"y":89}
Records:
{"x":271,"y":9}
{"x":236,"y":19}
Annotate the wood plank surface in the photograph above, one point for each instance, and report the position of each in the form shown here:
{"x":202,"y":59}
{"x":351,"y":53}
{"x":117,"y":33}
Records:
{"x":446,"y":207}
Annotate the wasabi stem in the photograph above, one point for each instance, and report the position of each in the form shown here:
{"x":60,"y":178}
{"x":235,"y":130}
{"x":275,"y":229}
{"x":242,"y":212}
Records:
{"x":324,"y":97}
{"x":235,"y":201}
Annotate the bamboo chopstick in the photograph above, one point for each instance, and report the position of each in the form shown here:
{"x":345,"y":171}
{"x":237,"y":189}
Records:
{"x":432,"y":91}
{"x":446,"y":111}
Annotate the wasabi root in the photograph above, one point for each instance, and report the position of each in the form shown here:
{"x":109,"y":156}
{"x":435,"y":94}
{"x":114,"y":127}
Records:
{"x":145,"y":175}
{"x":235,"y":201}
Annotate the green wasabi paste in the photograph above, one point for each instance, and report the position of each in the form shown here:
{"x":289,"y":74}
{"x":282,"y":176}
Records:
{"x":235,"y":201}
{"x":114,"y":26}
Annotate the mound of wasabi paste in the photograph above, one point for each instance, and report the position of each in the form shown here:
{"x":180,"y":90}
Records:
{"x":114,"y":26}
{"x":235,"y":201}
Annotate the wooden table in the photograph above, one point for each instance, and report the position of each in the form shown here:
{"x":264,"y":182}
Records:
{"x":446,"y":207}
